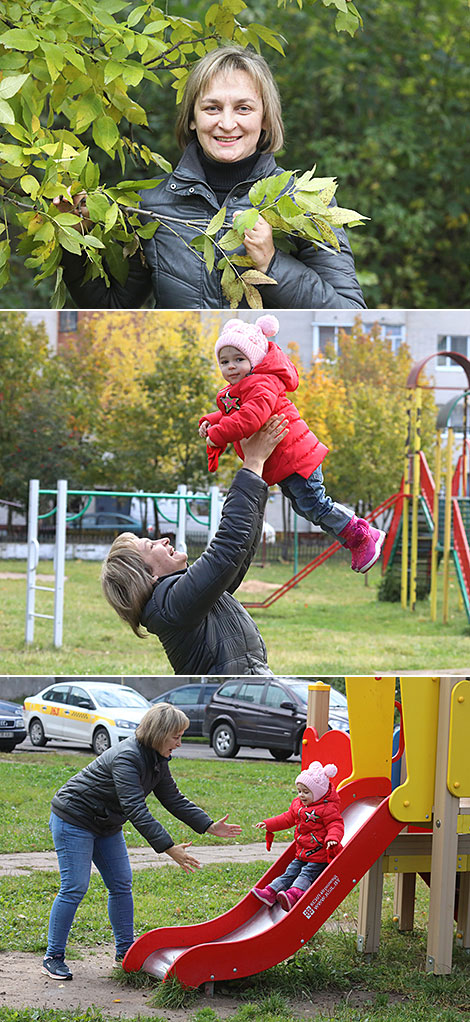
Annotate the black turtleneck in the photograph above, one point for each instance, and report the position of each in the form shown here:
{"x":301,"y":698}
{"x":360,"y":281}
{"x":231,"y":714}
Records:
{"x":222,"y":177}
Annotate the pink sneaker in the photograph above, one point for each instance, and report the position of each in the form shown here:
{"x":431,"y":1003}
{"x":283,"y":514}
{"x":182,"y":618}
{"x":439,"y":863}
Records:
{"x":287,"y":899}
{"x":365,"y":543}
{"x":265,"y":894}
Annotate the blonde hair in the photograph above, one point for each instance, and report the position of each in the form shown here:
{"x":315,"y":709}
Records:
{"x":159,"y":722}
{"x":126,"y":581}
{"x":222,"y":61}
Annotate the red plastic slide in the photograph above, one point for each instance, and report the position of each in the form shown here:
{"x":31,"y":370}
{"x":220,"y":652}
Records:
{"x":251,"y":937}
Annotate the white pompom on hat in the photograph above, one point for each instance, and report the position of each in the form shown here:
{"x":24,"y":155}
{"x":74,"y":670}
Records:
{"x":249,"y":338}
{"x":317,"y":778}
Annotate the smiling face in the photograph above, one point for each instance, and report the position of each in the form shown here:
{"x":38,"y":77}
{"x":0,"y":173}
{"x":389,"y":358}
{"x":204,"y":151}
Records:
{"x":233,"y":364}
{"x":228,"y":117}
{"x":160,"y":556}
{"x":305,"y":794}
{"x":170,"y":743}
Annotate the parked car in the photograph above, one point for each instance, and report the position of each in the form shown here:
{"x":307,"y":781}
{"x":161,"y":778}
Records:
{"x":192,"y":700}
{"x":12,"y":726}
{"x":92,"y":713}
{"x":110,"y":521}
{"x":265,"y":713}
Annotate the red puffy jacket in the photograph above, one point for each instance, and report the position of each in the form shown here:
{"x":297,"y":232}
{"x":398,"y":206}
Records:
{"x":314,"y":825}
{"x":247,"y":405}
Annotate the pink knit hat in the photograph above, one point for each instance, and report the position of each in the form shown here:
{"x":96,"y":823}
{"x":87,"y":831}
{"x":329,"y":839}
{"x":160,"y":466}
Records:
{"x":249,"y":338}
{"x":317,"y":778}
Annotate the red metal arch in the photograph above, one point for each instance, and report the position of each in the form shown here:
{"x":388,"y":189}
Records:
{"x":461,"y":360}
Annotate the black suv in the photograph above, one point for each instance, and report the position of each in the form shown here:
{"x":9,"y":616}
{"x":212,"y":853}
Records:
{"x":265,"y":713}
{"x":192,"y":700}
{"x":12,"y":726}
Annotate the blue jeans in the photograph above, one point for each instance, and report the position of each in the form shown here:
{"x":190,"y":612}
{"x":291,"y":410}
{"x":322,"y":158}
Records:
{"x":76,"y":849}
{"x":298,"y":874}
{"x":308,"y":498}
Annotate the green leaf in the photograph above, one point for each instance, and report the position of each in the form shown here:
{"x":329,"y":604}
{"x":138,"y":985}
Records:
{"x":6,"y":113}
{"x":98,"y":206}
{"x":217,"y":222}
{"x":90,"y":241}
{"x":69,"y":241}
{"x":209,"y":254}
{"x":245,"y":221}
{"x":67,"y":219}
{"x":30,"y":185}
{"x":257,"y":192}
{"x":136,"y":15}
{"x":111,"y":216}
{"x":19,"y":39}
{"x":117,"y":262}
{"x":148,"y":230}
{"x":105,"y":132}
{"x":230,"y":240}
{"x":4,"y":252}
{"x":86,"y":110}
{"x":11,"y":85}
{"x":92,"y":176}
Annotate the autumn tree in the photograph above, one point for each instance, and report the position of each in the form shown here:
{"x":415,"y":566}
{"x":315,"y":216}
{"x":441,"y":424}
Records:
{"x":355,"y":400}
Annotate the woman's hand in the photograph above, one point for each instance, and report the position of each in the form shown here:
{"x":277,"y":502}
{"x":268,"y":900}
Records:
{"x":258,"y":447}
{"x":76,"y":205}
{"x":182,"y":858}
{"x":258,"y":241}
{"x":222,"y":829}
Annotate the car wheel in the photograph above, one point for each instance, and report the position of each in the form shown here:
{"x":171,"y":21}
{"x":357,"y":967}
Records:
{"x":36,"y":733}
{"x":281,"y":754}
{"x":224,"y":741}
{"x":7,"y":746}
{"x":101,"y":741}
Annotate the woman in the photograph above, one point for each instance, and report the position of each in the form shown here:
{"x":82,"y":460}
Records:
{"x":229,"y":126}
{"x":86,"y":822}
{"x":202,"y":628}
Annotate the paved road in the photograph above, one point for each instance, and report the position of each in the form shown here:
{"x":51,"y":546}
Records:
{"x":188,"y":750}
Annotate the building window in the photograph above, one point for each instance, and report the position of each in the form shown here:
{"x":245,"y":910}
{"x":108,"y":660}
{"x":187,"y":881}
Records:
{"x":326,"y":338}
{"x":458,"y":343}
{"x":68,"y":321}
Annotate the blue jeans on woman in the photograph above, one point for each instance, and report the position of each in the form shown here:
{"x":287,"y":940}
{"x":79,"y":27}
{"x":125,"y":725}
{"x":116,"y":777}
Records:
{"x":309,"y":499}
{"x":76,"y":849}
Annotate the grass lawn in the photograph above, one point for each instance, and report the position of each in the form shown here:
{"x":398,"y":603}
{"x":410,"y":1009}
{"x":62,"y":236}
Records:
{"x":248,"y":791}
{"x":330,"y":624}
{"x":393,"y":982}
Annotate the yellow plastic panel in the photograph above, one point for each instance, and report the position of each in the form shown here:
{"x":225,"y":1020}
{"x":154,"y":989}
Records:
{"x":371,"y":704}
{"x":412,"y":801}
{"x":458,"y":773}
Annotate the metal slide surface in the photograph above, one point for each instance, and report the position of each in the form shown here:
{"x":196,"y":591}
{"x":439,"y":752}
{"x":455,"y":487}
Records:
{"x":251,"y":937}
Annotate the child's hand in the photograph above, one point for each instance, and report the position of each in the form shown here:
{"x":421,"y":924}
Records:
{"x":210,"y":442}
{"x":331,"y":844}
{"x":203,"y":429}
{"x":261,"y":825}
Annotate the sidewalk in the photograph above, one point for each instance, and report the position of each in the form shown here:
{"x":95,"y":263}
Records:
{"x":25,"y":863}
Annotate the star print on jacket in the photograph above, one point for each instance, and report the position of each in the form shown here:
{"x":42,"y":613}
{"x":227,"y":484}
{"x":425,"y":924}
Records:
{"x":231,"y":404}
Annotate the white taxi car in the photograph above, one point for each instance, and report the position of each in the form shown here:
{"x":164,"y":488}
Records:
{"x":93,"y":713}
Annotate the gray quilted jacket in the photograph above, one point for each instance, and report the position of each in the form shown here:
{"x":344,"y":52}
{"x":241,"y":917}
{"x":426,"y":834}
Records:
{"x":178,"y":279}
{"x":202,"y":627}
{"x":113,"y":789}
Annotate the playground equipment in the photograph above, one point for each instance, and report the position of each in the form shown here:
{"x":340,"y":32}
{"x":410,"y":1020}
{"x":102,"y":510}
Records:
{"x":378,"y":825}
{"x":439,"y":523}
{"x":62,"y":519}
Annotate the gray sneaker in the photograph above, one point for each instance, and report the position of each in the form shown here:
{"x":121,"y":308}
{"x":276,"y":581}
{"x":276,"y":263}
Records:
{"x":55,"y":967}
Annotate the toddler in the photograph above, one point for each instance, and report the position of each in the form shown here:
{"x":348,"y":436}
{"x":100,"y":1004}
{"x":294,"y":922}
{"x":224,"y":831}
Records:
{"x":319,"y":828}
{"x":258,"y":374}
